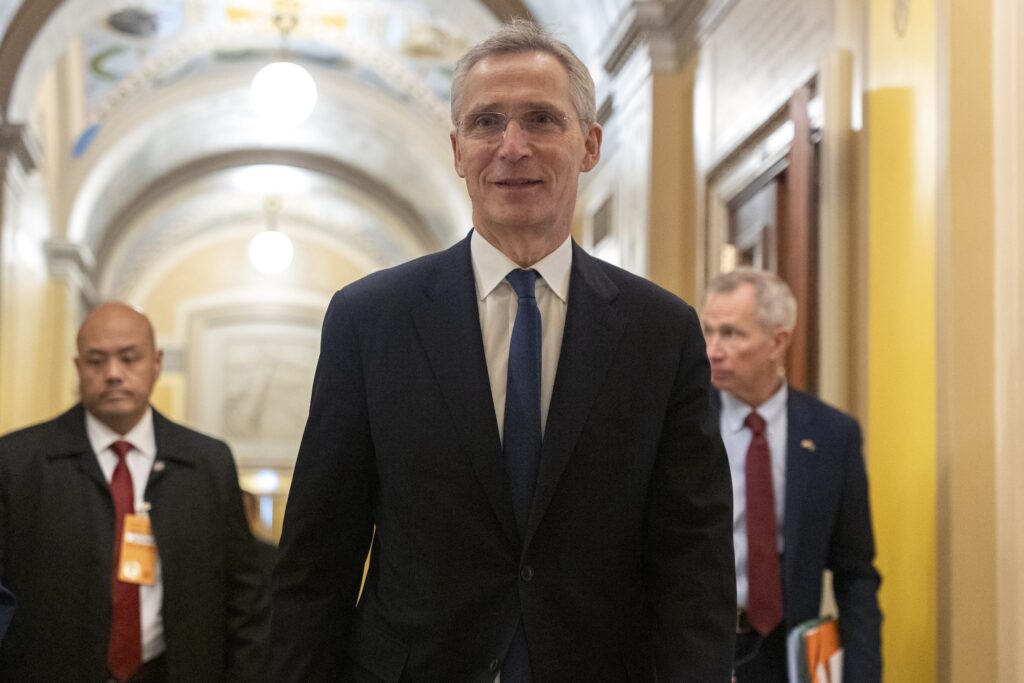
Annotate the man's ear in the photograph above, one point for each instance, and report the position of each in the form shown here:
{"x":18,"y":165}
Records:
{"x":591,"y":147}
{"x":457,"y":154}
{"x":781,"y":337}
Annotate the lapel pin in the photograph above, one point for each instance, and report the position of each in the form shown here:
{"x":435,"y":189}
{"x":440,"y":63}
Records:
{"x":159,"y":466}
{"x":808,"y":445}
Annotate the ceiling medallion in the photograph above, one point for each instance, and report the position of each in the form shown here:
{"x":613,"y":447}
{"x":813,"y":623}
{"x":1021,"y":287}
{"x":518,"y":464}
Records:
{"x":901,"y":16}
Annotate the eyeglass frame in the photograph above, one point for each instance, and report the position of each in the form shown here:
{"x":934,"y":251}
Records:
{"x":508,"y":118}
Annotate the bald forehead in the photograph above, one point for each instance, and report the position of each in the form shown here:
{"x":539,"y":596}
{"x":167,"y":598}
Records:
{"x":115,"y":320}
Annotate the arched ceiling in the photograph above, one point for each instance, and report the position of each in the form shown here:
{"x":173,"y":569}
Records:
{"x":164,"y":121}
{"x":166,"y":126}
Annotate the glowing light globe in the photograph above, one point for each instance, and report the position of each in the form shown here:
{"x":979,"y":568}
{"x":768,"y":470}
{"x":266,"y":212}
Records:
{"x":283,"y":93}
{"x":271,"y":252}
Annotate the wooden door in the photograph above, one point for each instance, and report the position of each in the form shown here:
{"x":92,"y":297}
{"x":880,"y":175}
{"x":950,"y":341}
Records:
{"x":773,"y":226}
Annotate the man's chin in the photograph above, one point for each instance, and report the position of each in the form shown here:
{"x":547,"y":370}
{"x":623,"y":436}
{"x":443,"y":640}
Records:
{"x":116,"y":414}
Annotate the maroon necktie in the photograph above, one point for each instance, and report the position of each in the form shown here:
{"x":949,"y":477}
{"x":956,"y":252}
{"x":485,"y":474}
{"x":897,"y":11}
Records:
{"x":764,"y":596}
{"x":125,"y":650}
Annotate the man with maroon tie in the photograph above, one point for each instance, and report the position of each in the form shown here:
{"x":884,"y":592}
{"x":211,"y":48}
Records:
{"x":800,"y":492}
{"x":123,"y":535}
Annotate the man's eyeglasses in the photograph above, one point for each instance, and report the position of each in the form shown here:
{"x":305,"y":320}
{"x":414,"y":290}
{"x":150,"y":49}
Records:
{"x":536,"y":122}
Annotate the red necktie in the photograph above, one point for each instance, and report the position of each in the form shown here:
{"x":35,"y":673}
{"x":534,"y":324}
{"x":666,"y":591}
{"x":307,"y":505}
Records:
{"x":764,"y":597}
{"x":125,"y":650}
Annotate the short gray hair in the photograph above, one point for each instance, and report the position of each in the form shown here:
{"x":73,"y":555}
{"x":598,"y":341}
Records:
{"x":520,"y":35}
{"x":774,"y":305}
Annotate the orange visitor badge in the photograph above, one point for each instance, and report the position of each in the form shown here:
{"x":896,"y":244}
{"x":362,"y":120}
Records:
{"x":138,"y":551}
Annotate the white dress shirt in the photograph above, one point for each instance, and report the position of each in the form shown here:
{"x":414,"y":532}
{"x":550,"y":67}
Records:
{"x":498,"y":305}
{"x":736,"y":437}
{"x":140,"y":461}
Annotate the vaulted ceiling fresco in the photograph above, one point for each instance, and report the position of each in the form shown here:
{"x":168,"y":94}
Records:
{"x":158,"y":120}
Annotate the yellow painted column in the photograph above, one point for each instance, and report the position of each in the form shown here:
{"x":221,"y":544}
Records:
{"x":674,"y":257}
{"x":900,"y":127}
{"x":37,"y":335}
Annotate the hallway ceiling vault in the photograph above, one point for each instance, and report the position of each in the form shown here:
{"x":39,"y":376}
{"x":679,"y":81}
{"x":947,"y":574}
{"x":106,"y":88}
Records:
{"x":155,"y":122}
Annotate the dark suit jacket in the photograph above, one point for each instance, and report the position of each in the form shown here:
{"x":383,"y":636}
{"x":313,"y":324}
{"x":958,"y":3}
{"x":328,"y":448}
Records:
{"x":626,"y":570}
{"x":7,"y":605}
{"x":828,"y":526}
{"x":56,"y":555}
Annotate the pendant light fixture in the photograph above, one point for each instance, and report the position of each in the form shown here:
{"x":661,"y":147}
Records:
{"x":282,"y":92}
{"x":271,"y":252}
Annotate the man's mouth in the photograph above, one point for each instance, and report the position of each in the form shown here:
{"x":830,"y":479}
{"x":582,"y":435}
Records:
{"x":114,"y":395}
{"x":516,"y":183}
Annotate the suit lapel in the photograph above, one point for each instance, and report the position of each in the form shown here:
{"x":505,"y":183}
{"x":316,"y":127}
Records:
{"x":593,"y":328}
{"x":168,"y":454}
{"x":448,"y":322}
{"x":72,"y":441}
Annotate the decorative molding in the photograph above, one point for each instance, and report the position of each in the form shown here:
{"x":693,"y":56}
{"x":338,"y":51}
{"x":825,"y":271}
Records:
{"x":361,"y":182}
{"x":672,"y":29}
{"x":17,"y":141}
{"x":175,"y":359}
{"x":622,"y":41}
{"x":606,"y":109}
{"x":901,"y":16}
{"x":73,"y":263}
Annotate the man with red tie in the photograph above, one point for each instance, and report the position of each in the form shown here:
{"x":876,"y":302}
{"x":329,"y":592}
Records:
{"x":123,"y":534}
{"x":800,"y":492}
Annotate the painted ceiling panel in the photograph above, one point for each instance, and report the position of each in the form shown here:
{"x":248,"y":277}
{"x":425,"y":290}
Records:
{"x":405,"y":48}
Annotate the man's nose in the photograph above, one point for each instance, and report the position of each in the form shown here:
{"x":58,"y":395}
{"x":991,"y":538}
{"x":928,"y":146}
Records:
{"x":515,"y":142}
{"x":714,"y":347}
{"x":114,"y":371}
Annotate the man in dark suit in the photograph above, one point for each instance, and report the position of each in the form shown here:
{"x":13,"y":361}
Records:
{"x":123,"y":535}
{"x":799,"y":486}
{"x":546,"y":494}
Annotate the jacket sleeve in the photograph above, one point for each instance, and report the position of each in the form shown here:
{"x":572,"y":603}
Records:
{"x":7,"y":604}
{"x":247,"y":598}
{"x":855,"y":579}
{"x":688,"y":553}
{"x":328,"y":522}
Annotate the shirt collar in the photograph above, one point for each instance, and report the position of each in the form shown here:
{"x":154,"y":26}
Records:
{"x":141,"y":436}
{"x":735,"y":411}
{"x":490,"y":266}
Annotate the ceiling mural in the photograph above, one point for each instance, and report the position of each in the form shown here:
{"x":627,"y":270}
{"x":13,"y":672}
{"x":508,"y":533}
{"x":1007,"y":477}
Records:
{"x":161,"y":104}
{"x":396,"y":47}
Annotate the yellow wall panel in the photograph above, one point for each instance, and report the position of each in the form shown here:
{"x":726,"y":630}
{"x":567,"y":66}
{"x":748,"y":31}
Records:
{"x":36,"y":349}
{"x":169,"y":395}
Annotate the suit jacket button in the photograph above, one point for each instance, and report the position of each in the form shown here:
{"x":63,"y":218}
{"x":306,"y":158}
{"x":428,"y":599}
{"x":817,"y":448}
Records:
{"x":526,"y":573}
{"x":494,"y":665}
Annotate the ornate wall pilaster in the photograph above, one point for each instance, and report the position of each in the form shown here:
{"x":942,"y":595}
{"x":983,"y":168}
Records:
{"x":672,"y":30}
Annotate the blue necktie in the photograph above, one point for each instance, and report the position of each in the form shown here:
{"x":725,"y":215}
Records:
{"x":522,"y":436}
{"x":522,"y":398}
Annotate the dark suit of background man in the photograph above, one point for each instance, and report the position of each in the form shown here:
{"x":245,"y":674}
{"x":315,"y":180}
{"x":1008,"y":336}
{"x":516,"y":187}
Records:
{"x":7,"y":604}
{"x":599,"y":551}
{"x":814,"y":482}
{"x":60,"y":483}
